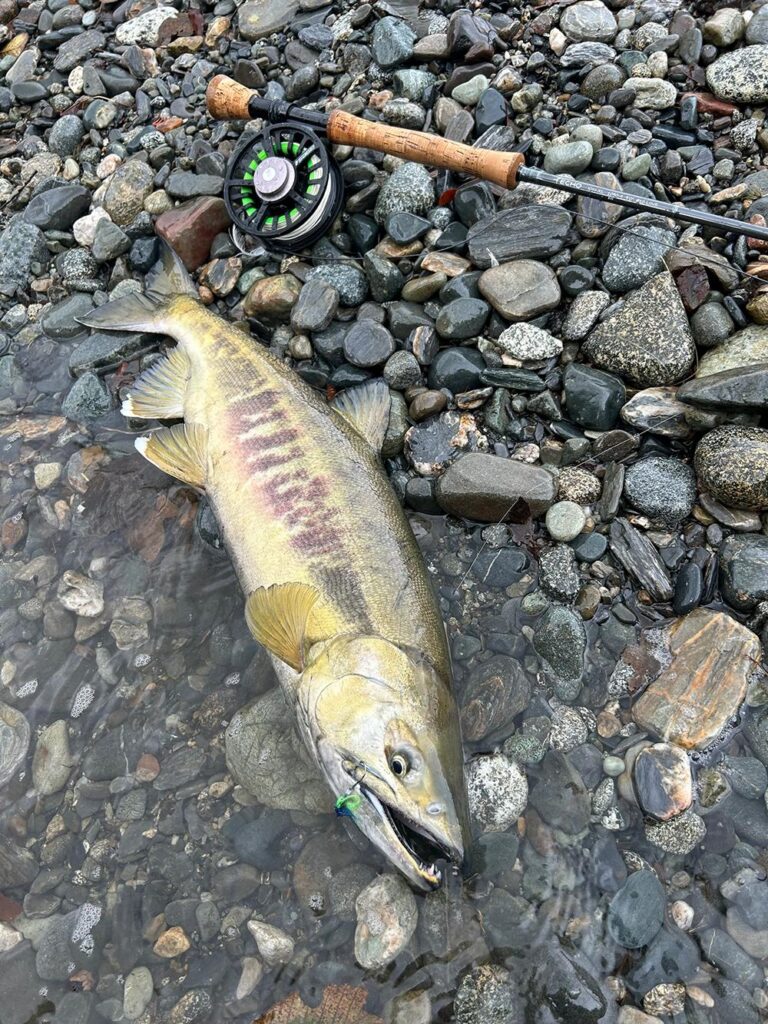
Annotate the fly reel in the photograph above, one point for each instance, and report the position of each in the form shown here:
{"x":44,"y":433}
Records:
{"x":283,"y":187}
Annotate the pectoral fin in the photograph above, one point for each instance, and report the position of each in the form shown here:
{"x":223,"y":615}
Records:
{"x":179,"y":451}
{"x":277,"y":617}
{"x":366,"y":410}
{"x":159,"y":391}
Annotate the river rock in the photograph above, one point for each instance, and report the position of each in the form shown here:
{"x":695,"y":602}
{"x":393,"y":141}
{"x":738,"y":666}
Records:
{"x":592,"y":398}
{"x":744,"y":570}
{"x":658,"y":411}
{"x":661,"y":488}
{"x":52,"y":761}
{"x":191,"y":228}
{"x":144,"y":29}
{"x":386,"y":919}
{"x":487,"y":995}
{"x":652,"y":93}
{"x":732,"y":464}
{"x":589,"y":20}
{"x":498,"y":792}
{"x":528,"y":344}
{"x":740,"y":76}
{"x":560,"y":796}
{"x":636,"y":257}
{"x":745,"y":387}
{"x":647,"y":340}
{"x":268,"y":759}
{"x":744,"y":349}
{"x":536,"y":231}
{"x":662,"y":780}
{"x":128,"y":188}
{"x":408,"y":190}
{"x":521,"y":290}
{"x":490,"y":489}
{"x":636,"y":912}
{"x":14,"y":742}
{"x":692,"y":700}
{"x":260,"y":18}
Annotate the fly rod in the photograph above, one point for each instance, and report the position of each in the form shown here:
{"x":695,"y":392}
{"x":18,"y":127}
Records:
{"x":284,"y":188}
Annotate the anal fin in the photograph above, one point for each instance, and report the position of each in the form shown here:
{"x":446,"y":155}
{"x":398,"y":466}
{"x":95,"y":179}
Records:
{"x":366,"y":410}
{"x":277,"y":617}
{"x":179,"y":451}
{"x":159,"y":391}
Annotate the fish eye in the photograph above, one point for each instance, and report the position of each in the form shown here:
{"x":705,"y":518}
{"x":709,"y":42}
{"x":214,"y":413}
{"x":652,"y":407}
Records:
{"x":399,"y":765}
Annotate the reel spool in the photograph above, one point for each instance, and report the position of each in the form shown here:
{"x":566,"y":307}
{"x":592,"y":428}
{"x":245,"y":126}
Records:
{"x":283,"y":188}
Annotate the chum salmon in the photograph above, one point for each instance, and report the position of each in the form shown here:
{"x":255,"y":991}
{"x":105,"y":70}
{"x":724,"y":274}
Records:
{"x":336,"y":588}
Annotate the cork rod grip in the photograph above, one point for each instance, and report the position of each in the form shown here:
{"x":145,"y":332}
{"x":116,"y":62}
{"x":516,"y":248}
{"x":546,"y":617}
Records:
{"x":228,"y":100}
{"x":422,"y":148}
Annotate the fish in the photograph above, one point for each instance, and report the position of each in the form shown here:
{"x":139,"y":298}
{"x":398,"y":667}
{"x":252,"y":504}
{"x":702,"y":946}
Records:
{"x":336,"y":588}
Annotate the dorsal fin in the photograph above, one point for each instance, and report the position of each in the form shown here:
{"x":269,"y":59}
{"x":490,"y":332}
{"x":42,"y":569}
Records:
{"x":179,"y":451}
{"x":366,"y":410}
{"x":159,"y":392}
{"x":277,"y":617}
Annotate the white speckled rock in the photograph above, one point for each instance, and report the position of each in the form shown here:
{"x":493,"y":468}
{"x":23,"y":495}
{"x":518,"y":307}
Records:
{"x":528,"y":343}
{"x":652,"y":93}
{"x":740,"y":76}
{"x":143,"y":31}
{"x":274,"y":945}
{"x":497,"y":790}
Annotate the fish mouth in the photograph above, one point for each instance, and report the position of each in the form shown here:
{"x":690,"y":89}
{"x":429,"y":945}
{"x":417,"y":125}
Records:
{"x":418,"y":848}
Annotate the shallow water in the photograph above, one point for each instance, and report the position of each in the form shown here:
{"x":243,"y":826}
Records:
{"x":159,"y":673}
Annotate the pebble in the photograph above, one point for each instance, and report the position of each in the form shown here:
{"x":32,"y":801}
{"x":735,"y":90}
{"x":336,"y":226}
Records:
{"x":386,"y":920}
{"x":663,"y":781}
{"x":744,"y":570}
{"x":636,"y":912}
{"x":15,"y":737}
{"x":172,"y":943}
{"x":52,"y":760}
{"x":528,"y":343}
{"x":590,"y":21}
{"x":408,"y":190}
{"x":274,"y":945}
{"x":565,"y":520}
{"x":487,"y":995}
{"x":520,"y":290}
{"x":661,"y":488}
{"x":647,"y":340}
{"x":740,"y":76}
{"x":489,"y":489}
{"x":732,"y":465}
{"x":368,"y":344}
{"x":497,"y":790}
{"x":593,"y":399}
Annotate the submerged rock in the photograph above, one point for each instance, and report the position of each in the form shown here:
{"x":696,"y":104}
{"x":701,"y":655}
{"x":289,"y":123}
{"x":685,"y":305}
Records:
{"x":692,"y":700}
{"x":268,"y":759}
{"x":636,"y":912}
{"x":498,"y":791}
{"x":663,"y":781}
{"x":386,"y":919}
{"x":14,"y":742}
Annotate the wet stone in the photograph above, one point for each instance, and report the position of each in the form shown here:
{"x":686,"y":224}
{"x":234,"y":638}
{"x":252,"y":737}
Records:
{"x":661,"y":488}
{"x":732,"y":464}
{"x":740,"y":76}
{"x":638,"y":257}
{"x":386,"y":920}
{"x":648,"y":339}
{"x":658,"y":411}
{"x":741,"y":388}
{"x":560,"y":640}
{"x":490,"y":489}
{"x":521,"y":290}
{"x":744,"y":570}
{"x":720,"y":949}
{"x":560,"y":796}
{"x":88,"y":399}
{"x":525,"y":232}
{"x":593,"y":398}
{"x":497,"y":790}
{"x":692,"y":700}
{"x":663,"y":781}
{"x":636,"y":912}
{"x":408,"y":190}
{"x":487,"y":995}
{"x":461,"y":319}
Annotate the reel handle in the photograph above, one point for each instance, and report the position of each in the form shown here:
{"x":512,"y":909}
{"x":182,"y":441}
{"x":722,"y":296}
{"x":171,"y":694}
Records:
{"x":227,"y":100}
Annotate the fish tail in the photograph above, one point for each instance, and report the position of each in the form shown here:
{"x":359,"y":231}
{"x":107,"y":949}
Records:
{"x":150,"y":311}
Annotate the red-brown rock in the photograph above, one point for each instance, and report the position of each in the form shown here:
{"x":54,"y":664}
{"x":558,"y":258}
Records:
{"x":692,"y":700}
{"x":191,"y":228}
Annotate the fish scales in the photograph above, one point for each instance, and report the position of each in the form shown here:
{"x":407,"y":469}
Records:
{"x":305,"y":498}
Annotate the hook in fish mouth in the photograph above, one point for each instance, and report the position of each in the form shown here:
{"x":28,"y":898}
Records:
{"x":418,"y":846}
